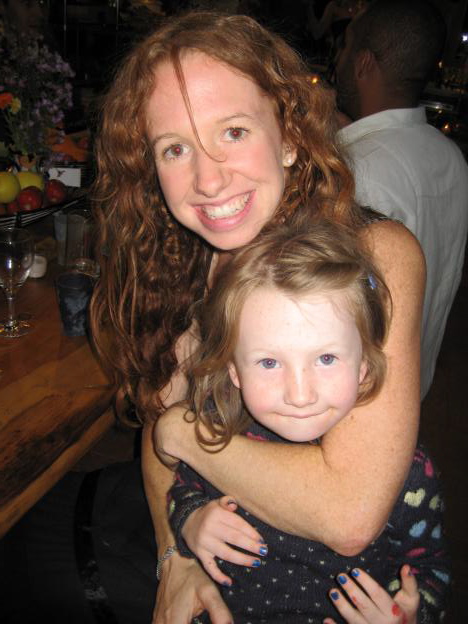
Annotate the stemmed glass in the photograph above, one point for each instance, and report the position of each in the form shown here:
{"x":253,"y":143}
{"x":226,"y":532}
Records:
{"x":16,"y":258}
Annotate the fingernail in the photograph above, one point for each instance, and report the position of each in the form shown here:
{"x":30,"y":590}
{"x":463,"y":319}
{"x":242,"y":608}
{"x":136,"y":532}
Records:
{"x":342,"y":579}
{"x":256,"y":564}
{"x":231,"y":502}
{"x":263,"y":550}
{"x":355,"y":572}
{"x":261,"y":541}
{"x":227,"y":584}
{"x":335,"y":595}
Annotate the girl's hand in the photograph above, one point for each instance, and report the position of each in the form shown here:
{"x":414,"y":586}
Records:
{"x":375,"y":605}
{"x":210,"y":529}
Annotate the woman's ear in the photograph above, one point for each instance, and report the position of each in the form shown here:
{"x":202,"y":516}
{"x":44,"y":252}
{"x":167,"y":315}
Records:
{"x":289,"y":155}
{"x":232,"y":370}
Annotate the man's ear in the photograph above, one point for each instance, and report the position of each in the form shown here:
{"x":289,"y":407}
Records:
{"x":232,"y":370}
{"x":364,"y":65}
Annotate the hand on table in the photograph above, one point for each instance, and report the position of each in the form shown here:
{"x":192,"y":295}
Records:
{"x":184,"y":592}
{"x":377,"y":607}
{"x":210,"y":530}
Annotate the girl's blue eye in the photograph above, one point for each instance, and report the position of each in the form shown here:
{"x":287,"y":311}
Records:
{"x":268,"y":363}
{"x":236,"y":134}
{"x":326,"y":359}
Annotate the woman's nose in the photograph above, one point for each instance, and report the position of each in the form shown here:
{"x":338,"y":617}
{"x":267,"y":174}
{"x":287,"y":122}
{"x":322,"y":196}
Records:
{"x":300,"y":389}
{"x":211,"y":174}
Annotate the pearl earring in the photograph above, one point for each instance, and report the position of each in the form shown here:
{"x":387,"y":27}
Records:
{"x":288,"y":159}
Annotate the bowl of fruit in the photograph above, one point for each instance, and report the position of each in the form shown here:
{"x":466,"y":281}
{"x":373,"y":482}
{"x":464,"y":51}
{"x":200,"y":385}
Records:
{"x":27,"y":196}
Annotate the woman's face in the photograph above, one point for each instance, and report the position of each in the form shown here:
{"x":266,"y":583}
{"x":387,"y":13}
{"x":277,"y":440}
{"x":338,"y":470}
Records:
{"x":229,"y":190}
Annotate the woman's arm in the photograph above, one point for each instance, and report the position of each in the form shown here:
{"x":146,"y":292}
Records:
{"x":340,"y":493}
{"x":184,"y":590}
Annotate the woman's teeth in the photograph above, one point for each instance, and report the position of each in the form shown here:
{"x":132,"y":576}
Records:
{"x":229,"y":209}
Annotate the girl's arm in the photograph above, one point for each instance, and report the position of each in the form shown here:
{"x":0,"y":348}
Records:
{"x":341,"y":492}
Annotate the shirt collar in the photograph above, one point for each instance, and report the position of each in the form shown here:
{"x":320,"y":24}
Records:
{"x":392,"y":118}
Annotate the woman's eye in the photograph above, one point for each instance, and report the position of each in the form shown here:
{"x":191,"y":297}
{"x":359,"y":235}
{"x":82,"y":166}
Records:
{"x":326,"y":359}
{"x":268,"y":363}
{"x":236,"y":134}
{"x":174,"y":151}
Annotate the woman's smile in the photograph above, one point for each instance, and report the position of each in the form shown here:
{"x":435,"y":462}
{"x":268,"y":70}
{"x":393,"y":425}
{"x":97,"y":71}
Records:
{"x":228,"y":214}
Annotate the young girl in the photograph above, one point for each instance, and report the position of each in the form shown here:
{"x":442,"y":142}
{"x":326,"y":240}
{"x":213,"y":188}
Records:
{"x":292,"y":337}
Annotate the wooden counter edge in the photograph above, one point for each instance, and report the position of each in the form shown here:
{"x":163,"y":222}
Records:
{"x":17,"y":507}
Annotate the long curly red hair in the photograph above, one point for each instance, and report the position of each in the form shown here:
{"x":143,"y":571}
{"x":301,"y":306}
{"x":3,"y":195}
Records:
{"x":152,"y":268}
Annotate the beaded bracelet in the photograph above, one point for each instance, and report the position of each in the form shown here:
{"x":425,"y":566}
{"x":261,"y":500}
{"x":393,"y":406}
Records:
{"x":169,"y":552}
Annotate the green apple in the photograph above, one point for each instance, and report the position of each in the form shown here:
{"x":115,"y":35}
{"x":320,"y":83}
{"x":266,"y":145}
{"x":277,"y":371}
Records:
{"x":9,"y":187}
{"x":30,"y":178}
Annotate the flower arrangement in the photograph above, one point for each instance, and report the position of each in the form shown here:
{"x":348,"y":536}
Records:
{"x":35,"y":90}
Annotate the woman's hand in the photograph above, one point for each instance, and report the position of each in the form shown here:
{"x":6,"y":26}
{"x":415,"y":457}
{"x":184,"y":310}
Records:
{"x":375,"y":605}
{"x":209,"y":530}
{"x":184,"y":592}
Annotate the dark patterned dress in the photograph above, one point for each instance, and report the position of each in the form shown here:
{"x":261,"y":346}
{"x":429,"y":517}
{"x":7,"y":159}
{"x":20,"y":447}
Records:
{"x":291,"y":585}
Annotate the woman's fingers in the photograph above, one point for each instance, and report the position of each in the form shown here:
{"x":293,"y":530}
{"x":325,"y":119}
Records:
{"x":184,"y":592}
{"x":213,"y":603}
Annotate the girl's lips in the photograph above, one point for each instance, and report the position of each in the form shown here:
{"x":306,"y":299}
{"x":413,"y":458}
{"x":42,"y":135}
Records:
{"x":227,"y":215}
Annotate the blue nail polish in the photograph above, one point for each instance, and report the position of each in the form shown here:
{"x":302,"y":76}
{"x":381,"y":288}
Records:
{"x":262,"y":541}
{"x":335,"y":595}
{"x":263,"y":550}
{"x":355,"y":572}
{"x":342,"y":579}
{"x":256,"y":564}
{"x":227,"y":584}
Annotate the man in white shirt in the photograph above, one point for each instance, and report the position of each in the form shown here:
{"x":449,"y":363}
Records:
{"x":404,"y":167}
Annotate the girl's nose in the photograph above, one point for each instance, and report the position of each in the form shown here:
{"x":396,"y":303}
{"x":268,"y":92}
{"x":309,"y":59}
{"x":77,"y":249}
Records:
{"x":300,"y":389}
{"x":211,"y":174}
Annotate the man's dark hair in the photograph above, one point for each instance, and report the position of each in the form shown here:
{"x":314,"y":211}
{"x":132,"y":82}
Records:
{"x":407,"y":39}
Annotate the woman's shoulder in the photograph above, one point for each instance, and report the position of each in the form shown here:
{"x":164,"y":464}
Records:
{"x":393,"y":244}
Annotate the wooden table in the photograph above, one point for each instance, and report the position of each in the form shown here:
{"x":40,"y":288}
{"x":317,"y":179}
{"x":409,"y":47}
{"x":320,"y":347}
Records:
{"x":54,"y":402}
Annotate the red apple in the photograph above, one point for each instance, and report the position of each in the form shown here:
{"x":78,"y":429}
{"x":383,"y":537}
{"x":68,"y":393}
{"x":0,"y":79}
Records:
{"x":12,"y":207}
{"x":30,"y":198}
{"x":55,"y":191}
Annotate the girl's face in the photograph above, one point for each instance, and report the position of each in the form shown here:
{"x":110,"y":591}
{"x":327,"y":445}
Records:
{"x":298,"y":362}
{"x":227,"y":193}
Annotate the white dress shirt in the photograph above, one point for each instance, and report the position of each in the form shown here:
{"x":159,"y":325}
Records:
{"x":410,"y":171}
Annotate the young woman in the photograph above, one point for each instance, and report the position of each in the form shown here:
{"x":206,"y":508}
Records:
{"x":291,"y":340}
{"x":212,"y":130}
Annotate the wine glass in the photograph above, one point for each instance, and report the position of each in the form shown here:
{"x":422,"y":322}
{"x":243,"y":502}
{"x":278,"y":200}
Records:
{"x":16,"y":258}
